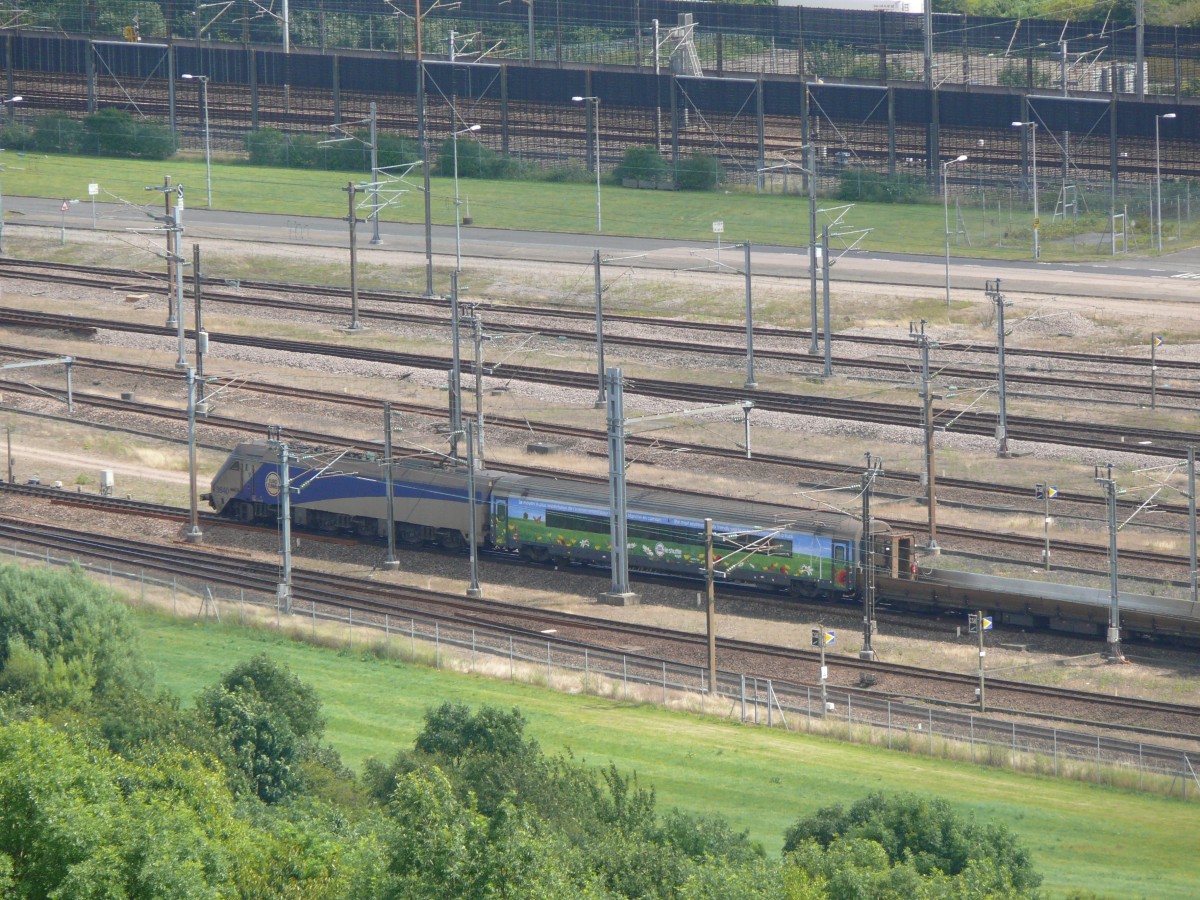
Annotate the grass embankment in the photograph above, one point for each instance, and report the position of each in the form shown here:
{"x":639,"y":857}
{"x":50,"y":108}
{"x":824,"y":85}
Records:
{"x":1114,"y":843}
{"x":540,"y":206}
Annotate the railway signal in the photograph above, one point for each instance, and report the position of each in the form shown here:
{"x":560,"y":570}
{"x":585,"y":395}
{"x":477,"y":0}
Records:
{"x":1103,"y":477}
{"x":820,"y":638}
{"x":979,"y":623}
{"x":1046,"y":492}
{"x":1156,"y":341}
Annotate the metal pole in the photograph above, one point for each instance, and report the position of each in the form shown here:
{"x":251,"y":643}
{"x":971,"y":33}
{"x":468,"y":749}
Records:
{"x":946,"y":211}
{"x":927,"y":421}
{"x":618,"y":527}
{"x":201,"y":404}
{"x":812,"y":243}
{"x":1192,"y":516}
{"x":390,"y":563}
{"x":285,"y":521}
{"x":750,"y":381}
{"x":979,"y":629}
{"x":601,"y":400}
{"x":1139,"y":78}
{"x":473,"y":589}
{"x":423,"y":140}
{"x":993,"y":289}
{"x":457,"y":216}
{"x":177,"y":231}
{"x":868,"y":563}
{"x":456,"y":423}
{"x":596,"y":140}
{"x":824,"y":670}
{"x":477,"y":329}
{"x":351,"y":190}
{"x":710,"y":617}
{"x":207,"y":143}
{"x":1046,"y":524}
{"x":2,"y":218}
{"x":375,"y":238}
{"x":532,"y":45}
{"x":1154,"y":366}
{"x":171,"y":254}
{"x":1037,"y":221}
{"x":1157,"y":192}
{"x":747,"y":405}
{"x":1107,"y":482}
{"x":828,"y":370}
{"x":194,"y":533}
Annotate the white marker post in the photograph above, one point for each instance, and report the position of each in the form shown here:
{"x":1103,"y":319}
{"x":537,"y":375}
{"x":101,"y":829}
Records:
{"x":718,"y":230}
{"x":93,"y":190}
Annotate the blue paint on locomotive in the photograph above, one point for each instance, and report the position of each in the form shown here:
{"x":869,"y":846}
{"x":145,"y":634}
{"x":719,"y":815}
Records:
{"x":333,"y":486}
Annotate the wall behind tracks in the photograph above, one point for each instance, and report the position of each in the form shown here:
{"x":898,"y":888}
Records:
{"x":749,"y":122}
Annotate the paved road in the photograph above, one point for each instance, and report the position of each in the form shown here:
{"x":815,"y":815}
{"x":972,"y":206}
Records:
{"x":1174,"y":276}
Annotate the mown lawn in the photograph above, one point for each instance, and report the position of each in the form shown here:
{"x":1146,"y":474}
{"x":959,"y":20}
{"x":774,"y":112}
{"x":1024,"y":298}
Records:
{"x":769,"y":219}
{"x":1114,"y":843}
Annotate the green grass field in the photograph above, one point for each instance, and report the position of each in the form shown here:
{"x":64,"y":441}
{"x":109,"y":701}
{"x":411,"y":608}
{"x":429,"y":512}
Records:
{"x":769,"y":219}
{"x":1114,"y":843}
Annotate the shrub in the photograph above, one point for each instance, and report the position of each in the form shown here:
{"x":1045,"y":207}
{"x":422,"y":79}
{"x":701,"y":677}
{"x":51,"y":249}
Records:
{"x":474,"y":160}
{"x":642,"y":164}
{"x":17,"y":137}
{"x":699,"y":172}
{"x":869,"y":186}
{"x":57,"y":134}
{"x":116,"y":132}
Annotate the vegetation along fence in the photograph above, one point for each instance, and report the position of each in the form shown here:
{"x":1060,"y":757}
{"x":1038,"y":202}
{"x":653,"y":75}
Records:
{"x":574,"y":667}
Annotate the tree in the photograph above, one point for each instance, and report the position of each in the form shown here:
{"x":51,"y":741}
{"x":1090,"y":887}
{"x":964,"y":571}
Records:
{"x":699,"y":172}
{"x":64,"y":640}
{"x":260,"y":744}
{"x":922,"y":831}
{"x":283,"y":691}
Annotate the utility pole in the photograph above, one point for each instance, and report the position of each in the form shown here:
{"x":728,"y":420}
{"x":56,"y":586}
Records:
{"x":423,"y":142}
{"x":1155,"y":342}
{"x":828,"y":371}
{"x":819,"y":640}
{"x":391,"y":563}
{"x":619,"y":592}
{"x":1046,"y":493}
{"x":979,"y":623}
{"x":1192,"y":517}
{"x":351,"y":190}
{"x":473,"y":589}
{"x":992,"y":290}
{"x":601,"y":400}
{"x":812,"y":243}
{"x":201,"y":335}
{"x":1103,"y":477}
{"x":171,"y":254}
{"x":711,"y":609}
{"x":375,"y":238}
{"x":194,"y":534}
{"x":284,"y":589}
{"x":477,"y":334}
{"x":924,"y":343}
{"x":874,"y":470}
{"x":750,"y":380}
{"x":456,"y":424}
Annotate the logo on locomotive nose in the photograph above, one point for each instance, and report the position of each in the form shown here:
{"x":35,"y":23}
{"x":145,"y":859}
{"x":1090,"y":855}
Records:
{"x":272,"y":483}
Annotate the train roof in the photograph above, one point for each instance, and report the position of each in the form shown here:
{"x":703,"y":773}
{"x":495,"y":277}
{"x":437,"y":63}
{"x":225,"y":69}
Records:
{"x":680,"y":504}
{"x":341,"y":457}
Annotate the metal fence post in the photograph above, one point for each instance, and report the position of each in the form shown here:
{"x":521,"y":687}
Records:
{"x":350,"y":624}
{"x":930,"y":732}
{"x":743,"y":698}
{"x":547,"y":664}
{"x":174,"y":595}
{"x":664,"y":682}
{"x":585,"y":670}
{"x":512,"y":672}
{"x":472,"y":649}
{"x":412,"y":638}
{"x":437,"y":647}
{"x":625,"y":674}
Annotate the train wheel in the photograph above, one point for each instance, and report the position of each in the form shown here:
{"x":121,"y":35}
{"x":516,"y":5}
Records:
{"x":410,"y":534}
{"x":535,"y":554}
{"x":365,"y":527}
{"x":241,"y":511}
{"x":451,"y":540}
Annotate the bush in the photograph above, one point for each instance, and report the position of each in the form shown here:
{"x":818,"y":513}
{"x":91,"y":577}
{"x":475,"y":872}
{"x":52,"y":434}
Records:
{"x":641,"y":164}
{"x":115,"y":132}
{"x":474,"y":160}
{"x":57,"y":134}
{"x":699,"y":172}
{"x":869,"y":186}
{"x":17,"y":137}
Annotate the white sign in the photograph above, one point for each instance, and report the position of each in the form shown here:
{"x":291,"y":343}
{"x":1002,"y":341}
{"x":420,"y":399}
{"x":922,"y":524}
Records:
{"x":93,"y":190}
{"x":718,"y":227}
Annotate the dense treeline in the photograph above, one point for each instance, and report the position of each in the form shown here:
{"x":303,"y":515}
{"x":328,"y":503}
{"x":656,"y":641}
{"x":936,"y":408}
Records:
{"x":111,"y":789}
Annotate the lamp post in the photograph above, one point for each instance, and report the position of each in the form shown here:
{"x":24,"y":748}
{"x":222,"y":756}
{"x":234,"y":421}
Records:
{"x":203,"y":79}
{"x":595,"y":107}
{"x":946,"y":208}
{"x":1032,"y":126}
{"x":16,"y":99}
{"x":1158,"y":177}
{"x":457,"y":216}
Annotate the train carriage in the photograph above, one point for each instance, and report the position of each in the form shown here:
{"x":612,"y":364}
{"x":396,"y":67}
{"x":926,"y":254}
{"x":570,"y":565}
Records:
{"x":547,"y":519}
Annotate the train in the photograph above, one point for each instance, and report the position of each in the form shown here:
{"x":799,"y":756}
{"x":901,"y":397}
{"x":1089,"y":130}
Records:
{"x":545,"y":519}
{"x":560,"y":520}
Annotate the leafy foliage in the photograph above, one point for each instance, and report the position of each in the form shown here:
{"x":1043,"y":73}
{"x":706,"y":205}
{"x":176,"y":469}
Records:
{"x":869,"y":186}
{"x":641,"y":164}
{"x":699,"y":172}
{"x":921,"y":832}
{"x":475,"y":160}
{"x":116,"y":132}
{"x":63,"y":641}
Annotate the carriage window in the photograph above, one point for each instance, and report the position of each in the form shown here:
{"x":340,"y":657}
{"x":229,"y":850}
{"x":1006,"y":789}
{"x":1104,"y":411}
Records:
{"x":839,"y":551}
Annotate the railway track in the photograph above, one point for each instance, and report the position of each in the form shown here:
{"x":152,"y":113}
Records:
{"x":102,"y":278}
{"x":1156,"y":442}
{"x":780,"y":663}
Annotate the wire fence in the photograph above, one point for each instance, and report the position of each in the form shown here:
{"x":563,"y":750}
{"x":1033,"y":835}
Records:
{"x":577,"y":668}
